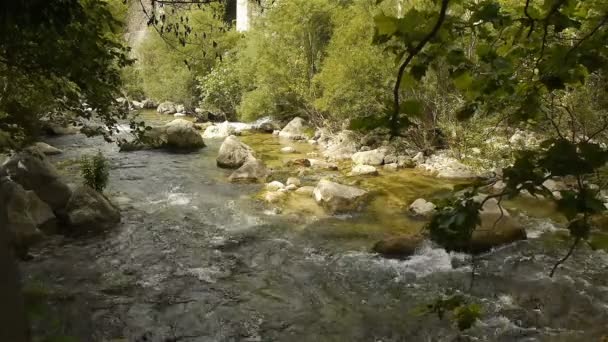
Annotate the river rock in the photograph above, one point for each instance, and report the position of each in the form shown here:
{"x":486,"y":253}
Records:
{"x":444,"y":166}
{"x":391,"y":167}
{"x":266,"y":126}
{"x":46,"y":149}
{"x":295,"y":130}
{"x":291,"y":187}
{"x":418,"y":159}
{"x":51,"y":128}
{"x":33,"y":171}
{"x":405,"y":162}
{"x":363,"y":170}
{"x":27,"y":215}
{"x":422,"y":207}
{"x":337,"y":197}
{"x":182,"y":134}
{"x":180,"y":108}
{"x":149,"y":104}
{"x":305,"y":190}
{"x":167,"y":107}
{"x":341,"y":146}
{"x":89,"y":211}
{"x":399,"y":247}
{"x":322,"y":165}
{"x":233,"y":153}
{"x":274,"y":196}
{"x":137,"y":104}
{"x":293,"y":181}
{"x":288,"y":149}
{"x":299,"y":162}
{"x":372,"y":157}
{"x":219,"y":131}
{"x":252,"y":171}
{"x":275,"y":185}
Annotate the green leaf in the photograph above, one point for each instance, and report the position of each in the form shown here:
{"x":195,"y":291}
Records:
{"x":385,"y":25}
{"x":412,"y":108}
{"x":463,"y":81}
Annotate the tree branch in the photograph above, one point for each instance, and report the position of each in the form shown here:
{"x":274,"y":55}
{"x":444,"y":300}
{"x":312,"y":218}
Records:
{"x":395,"y":117}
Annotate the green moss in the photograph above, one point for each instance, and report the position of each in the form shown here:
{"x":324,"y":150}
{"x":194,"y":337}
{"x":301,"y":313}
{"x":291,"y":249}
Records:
{"x":599,"y":241}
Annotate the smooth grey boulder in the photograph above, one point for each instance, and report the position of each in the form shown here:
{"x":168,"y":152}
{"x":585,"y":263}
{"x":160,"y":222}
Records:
{"x":233,"y":153}
{"x":295,"y":130}
{"x":89,"y":211}
{"x":337,"y":198}
{"x":167,"y":107}
{"x":372,"y":157}
{"x":32,"y":170}
{"x":253,"y":171}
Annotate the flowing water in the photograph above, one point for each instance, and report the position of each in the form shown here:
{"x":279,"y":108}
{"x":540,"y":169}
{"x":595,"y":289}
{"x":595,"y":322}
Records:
{"x":197,"y":258}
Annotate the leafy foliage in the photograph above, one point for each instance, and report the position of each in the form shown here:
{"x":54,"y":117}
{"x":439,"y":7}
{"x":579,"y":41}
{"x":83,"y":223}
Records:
{"x":57,"y":57}
{"x":462,"y":313}
{"x":95,"y":171}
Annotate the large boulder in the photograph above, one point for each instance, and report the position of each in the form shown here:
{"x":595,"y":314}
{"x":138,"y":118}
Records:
{"x":337,"y":198}
{"x":27,"y":215}
{"x":253,"y":171}
{"x":89,"y":211}
{"x":341,"y":146}
{"x":33,"y":171}
{"x":182,"y":134}
{"x":46,"y":149}
{"x":233,"y":153}
{"x":295,"y":129}
{"x":178,"y":134}
{"x":167,"y":108}
{"x":373,"y":157}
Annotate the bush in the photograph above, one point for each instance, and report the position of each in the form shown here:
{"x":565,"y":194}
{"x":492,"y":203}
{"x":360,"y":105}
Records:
{"x":356,"y":76}
{"x":95,"y":171}
{"x":220,"y":90}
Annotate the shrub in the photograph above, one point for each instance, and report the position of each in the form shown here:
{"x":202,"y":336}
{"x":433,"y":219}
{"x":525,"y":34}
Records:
{"x":95,"y":171}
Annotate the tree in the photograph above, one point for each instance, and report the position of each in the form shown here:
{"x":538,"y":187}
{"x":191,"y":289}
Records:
{"x":57,"y":57}
{"x":525,"y":61}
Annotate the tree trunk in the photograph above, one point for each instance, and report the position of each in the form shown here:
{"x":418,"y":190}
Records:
{"x":13,"y":321}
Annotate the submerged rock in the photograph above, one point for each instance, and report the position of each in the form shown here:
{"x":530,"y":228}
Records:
{"x":89,"y":211}
{"x":305,"y":190}
{"x":252,"y":171}
{"x":299,"y":162}
{"x":46,"y":149}
{"x":274,"y":196}
{"x":233,"y":153}
{"x":167,"y":107}
{"x":364,"y":170}
{"x":295,"y":130}
{"x":338,"y":198}
{"x":372,"y":157}
{"x":288,"y":149}
{"x":321,"y":164}
{"x":422,"y":207}
{"x":399,"y":247}
{"x":33,"y":171}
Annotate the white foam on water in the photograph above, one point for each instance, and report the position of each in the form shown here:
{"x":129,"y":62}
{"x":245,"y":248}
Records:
{"x":539,"y":228}
{"x":178,"y":199}
{"x":427,"y":260}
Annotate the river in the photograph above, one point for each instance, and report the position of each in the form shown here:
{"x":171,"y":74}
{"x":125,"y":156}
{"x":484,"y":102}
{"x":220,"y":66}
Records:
{"x":197,"y":258}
